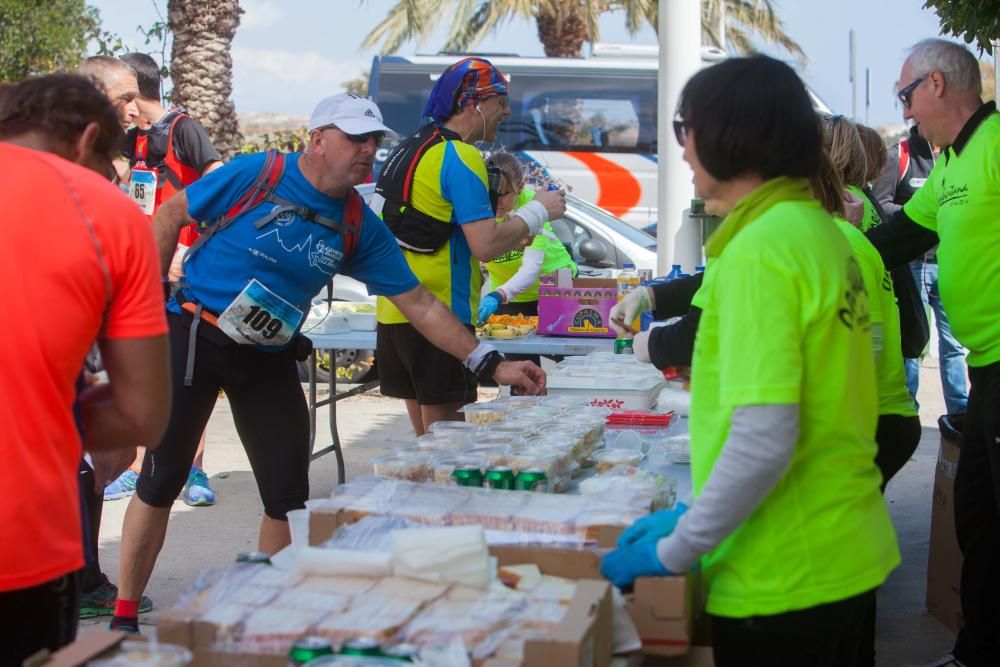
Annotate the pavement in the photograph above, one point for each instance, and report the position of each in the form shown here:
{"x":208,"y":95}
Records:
{"x":205,"y":537}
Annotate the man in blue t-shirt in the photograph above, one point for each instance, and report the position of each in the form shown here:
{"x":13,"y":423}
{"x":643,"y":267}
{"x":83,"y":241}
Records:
{"x":234,"y":323}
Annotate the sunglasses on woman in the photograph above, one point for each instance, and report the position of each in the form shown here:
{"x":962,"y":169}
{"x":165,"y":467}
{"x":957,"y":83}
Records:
{"x":680,"y":132}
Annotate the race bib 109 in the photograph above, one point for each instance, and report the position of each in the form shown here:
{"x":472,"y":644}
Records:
{"x":258,"y":316}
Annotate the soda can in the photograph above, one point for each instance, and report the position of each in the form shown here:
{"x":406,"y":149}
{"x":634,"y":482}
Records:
{"x":361,"y":646}
{"x":467,"y":476}
{"x":254,"y":557}
{"x":500,"y":477}
{"x":306,"y":649}
{"x":623,"y":346}
{"x":402,"y":652}
{"x":531,"y":479}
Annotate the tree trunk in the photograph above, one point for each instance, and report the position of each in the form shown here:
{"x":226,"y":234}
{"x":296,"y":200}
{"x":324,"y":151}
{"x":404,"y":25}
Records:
{"x":562,"y":32}
{"x":202,"y":66}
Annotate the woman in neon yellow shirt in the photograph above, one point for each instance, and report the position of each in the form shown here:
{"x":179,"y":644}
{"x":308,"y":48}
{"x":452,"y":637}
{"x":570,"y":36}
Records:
{"x":787,"y":522}
{"x":898,"y":431}
{"x":514,"y":276}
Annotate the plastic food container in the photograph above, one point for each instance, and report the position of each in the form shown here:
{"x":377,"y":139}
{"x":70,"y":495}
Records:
{"x":606,"y":459}
{"x":519,"y":402}
{"x":444,"y":466}
{"x":484,"y":413}
{"x":412,"y":466}
{"x":537,"y":415}
{"x":442,"y":426}
{"x":510,"y":429}
{"x":564,"y":402}
{"x":614,"y":390}
{"x":444,"y":440}
{"x":502,"y":439}
{"x":142,"y":654}
{"x":492,"y":455}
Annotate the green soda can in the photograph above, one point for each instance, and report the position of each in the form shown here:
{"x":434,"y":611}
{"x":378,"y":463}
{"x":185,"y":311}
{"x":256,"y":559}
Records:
{"x":308,"y":648}
{"x":531,"y":479}
{"x":361,"y":646}
{"x":623,"y":346}
{"x":254,"y":557}
{"x":401,"y":652}
{"x":500,"y":477}
{"x":467,"y":476}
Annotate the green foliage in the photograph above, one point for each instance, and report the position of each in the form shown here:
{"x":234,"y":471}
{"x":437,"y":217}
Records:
{"x":358,"y":86}
{"x":289,"y":141}
{"x":40,"y":37}
{"x":972,"y":20}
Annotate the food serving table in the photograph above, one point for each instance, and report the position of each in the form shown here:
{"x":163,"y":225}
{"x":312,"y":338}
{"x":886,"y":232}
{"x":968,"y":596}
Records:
{"x":365,"y":340}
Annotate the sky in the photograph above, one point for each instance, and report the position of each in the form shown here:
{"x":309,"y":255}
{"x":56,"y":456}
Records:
{"x":289,"y":54}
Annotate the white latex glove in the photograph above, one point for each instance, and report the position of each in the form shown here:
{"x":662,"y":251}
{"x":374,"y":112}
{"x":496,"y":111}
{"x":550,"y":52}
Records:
{"x":639,"y":300}
{"x":640,"y":346}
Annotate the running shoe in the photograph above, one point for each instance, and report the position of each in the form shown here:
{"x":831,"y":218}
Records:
{"x":197,"y":492}
{"x":129,"y":626}
{"x":101,"y":601}
{"x":123,"y":487}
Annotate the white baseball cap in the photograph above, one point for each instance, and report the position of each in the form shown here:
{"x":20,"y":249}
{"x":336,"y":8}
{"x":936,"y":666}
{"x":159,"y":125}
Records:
{"x":350,"y":113}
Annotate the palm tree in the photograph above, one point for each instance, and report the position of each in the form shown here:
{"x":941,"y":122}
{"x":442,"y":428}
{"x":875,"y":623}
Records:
{"x":201,"y":66}
{"x":564,"y":25}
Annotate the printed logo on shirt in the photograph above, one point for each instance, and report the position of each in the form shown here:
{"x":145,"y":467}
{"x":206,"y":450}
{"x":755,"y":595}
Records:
{"x":953,"y":195}
{"x":283,"y":219}
{"x":856,"y":313}
{"x":512,"y":256}
{"x":325,"y":257}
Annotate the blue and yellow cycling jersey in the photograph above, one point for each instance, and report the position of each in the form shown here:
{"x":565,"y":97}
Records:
{"x":449,"y":184}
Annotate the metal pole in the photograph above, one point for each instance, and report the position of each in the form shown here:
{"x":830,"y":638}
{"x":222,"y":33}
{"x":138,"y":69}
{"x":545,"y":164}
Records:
{"x":680,"y":58}
{"x":868,"y":92}
{"x":851,"y":75}
{"x":996,"y":70}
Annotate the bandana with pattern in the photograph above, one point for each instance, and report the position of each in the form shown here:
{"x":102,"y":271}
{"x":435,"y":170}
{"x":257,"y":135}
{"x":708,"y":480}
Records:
{"x":462,"y":85}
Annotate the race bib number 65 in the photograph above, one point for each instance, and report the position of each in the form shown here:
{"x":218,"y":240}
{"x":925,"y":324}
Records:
{"x":142,"y":189}
{"x":258,"y":316}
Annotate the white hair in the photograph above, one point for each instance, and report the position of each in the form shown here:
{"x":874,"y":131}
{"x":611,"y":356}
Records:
{"x":959,"y":66}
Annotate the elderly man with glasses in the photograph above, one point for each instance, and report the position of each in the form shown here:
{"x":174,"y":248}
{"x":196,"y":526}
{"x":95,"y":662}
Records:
{"x":959,"y":208}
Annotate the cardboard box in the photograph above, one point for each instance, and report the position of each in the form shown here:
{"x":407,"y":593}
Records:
{"x":87,"y":647}
{"x":663,"y":609}
{"x":583,"y":638}
{"x":944,"y":559}
{"x":579,"y":307}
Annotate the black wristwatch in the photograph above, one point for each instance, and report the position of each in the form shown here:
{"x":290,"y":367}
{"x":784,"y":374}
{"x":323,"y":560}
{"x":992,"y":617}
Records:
{"x":488,"y":366}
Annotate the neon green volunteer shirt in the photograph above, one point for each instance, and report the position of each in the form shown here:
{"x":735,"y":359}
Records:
{"x":556,"y":257}
{"x":785,"y":321}
{"x":893,"y":396}
{"x":961,"y":202}
{"x":870,"y":216}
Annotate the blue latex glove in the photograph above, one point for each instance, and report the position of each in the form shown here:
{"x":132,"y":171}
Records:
{"x":488,"y":305}
{"x":658,"y":524}
{"x":624,"y":564}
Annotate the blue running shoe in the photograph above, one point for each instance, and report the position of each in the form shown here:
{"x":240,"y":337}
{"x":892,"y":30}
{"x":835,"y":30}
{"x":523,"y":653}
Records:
{"x":123,"y":487}
{"x":197,"y":492}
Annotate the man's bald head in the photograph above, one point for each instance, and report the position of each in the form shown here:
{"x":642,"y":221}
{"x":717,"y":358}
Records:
{"x":118,"y":80}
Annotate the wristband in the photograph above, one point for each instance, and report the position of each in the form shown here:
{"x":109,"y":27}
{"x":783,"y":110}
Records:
{"x":534,"y":215}
{"x":475,"y":358}
{"x":489,"y":364}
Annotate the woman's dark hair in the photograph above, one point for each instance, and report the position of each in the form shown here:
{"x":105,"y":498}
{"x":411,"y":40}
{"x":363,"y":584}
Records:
{"x":147,"y":74}
{"x":752,"y":116}
{"x":61,"y":106}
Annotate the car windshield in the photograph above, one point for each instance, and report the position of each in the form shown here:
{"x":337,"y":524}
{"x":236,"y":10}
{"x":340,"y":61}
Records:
{"x":636,"y":236}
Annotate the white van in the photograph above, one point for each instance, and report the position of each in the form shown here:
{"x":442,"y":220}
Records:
{"x":588,"y":123}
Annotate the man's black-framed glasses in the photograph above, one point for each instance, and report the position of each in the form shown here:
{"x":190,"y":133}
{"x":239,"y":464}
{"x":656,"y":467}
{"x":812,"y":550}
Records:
{"x":905,"y":95}
{"x":680,"y":131}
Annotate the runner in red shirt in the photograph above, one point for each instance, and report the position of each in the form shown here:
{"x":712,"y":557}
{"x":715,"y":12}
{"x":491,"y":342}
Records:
{"x":82,"y":267}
